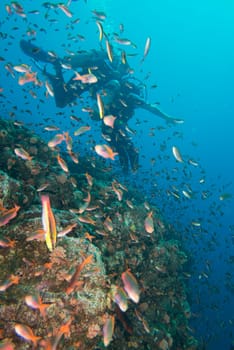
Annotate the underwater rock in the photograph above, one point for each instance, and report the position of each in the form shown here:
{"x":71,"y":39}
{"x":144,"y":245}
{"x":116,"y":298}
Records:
{"x":40,"y":169}
{"x":65,"y":296}
{"x":45,"y":274}
{"x":12,"y":193}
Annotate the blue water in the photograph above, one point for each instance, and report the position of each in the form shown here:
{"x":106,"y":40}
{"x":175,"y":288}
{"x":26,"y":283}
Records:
{"x":191,"y":61}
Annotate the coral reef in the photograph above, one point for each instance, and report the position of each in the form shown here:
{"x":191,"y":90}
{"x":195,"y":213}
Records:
{"x":40,"y":170}
{"x":47,"y":274}
{"x":63,"y":300}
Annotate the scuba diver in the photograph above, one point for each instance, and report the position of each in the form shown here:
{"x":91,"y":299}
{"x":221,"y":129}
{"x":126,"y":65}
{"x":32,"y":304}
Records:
{"x":118,"y":93}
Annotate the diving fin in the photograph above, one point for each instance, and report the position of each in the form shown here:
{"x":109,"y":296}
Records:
{"x":36,"y":52}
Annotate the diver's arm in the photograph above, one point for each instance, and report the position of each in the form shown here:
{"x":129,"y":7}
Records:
{"x":153,"y":109}
{"x":156,"y":111}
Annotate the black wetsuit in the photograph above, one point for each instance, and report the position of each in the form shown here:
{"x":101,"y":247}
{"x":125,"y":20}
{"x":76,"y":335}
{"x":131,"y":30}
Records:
{"x":122,"y":104}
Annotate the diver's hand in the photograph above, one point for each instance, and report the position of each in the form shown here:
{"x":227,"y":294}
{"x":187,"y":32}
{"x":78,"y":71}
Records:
{"x":171,"y":120}
{"x":157,"y":111}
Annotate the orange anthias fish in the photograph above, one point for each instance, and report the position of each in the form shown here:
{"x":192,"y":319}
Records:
{"x":9,"y":282}
{"x":7,"y":243}
{"x":89,"y":179}
{"x":7,"y":215}
{"x":35,"y":302}
{"x":26,"y":332}
{"x":73,"y":157}
{"x":109,"y":120}
{"x":8,"y":9}
{"x":117,"y":191}
{"x":86,"y":219}
{"x":38,"y":235}
{"x":62,"y":163}
{"x":82,"y":130}
{"x":53,"y":344}
{"x":49,"y":224}
{"x":89,"y":78}
{"x":28,"y":77}
{"x":67,"y":230}
{"x":149,"y":224}
{"x":108,"y":224}
{"x":82,"y":209}
{"x":68,"y":140}
{"x":56,"y":140}
{"x":21,"y":153}
{"x":105,"y":151}
{"x":131,"y":286}
{"x":120,"y":298}
{"x":108,"y":330}
{"x":73,"y":281}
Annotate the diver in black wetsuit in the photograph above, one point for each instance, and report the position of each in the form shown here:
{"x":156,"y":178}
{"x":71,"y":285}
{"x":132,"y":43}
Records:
{"x":120,"y":96}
